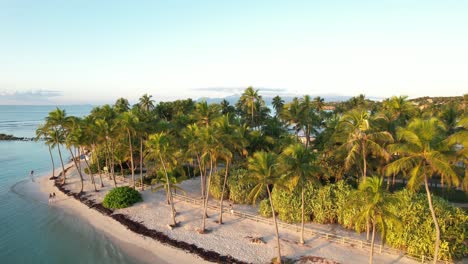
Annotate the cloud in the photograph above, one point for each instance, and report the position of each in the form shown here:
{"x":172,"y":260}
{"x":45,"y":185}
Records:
{"x":31,"y":96}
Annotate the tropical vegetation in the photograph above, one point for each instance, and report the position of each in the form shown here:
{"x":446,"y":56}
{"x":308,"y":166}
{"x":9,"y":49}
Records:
{"x":303,"y":159}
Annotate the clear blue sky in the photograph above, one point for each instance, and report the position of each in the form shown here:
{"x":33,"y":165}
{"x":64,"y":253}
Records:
{"x":96,"y":51}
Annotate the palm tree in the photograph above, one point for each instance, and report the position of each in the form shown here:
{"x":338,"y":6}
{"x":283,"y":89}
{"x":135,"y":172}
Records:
{"x":146,"y":103}
{"x":263,"y":170}
{"x":375,"y":208}
{"x":43,"y":133}
{"x":278,"y":104}
{"x":298,"y":163}
{"x":128,"y":122}
{"x":359,"y":140}
{"x":121,"y":105}
{"x":318,"y":104}
{"x":158,"y":147}
{"x":421,"y":150}
{"x":249,"y":98}
{"x":73,"y":140}
{"x":57,"y":120}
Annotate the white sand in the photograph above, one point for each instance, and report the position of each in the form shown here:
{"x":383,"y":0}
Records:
{"x":141,"y":247}
{"x":227,"y":239}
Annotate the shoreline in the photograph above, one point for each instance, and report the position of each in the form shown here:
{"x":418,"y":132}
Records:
{"x":147,"y":220}
{"x":139,"y":247}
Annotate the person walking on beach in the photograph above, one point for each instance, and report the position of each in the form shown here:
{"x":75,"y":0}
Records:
{"x":32,"y":175}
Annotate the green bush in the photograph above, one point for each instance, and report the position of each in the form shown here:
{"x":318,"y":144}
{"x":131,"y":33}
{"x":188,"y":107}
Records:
{"x":288,"y":204}
{"x":264,"y":208}
{"x":121,"y":197}
{"x":417,"y":235}
{"x":216,"y":187}
{"x":239,"y":188}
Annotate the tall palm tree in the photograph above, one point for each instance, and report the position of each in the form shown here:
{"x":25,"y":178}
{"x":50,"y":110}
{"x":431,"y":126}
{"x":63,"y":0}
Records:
{"x":299,"y":164}
{"x":73,"y":140}
{"x":57,"y":120}
{"x":278,"y":104}
{"x":263,"y":171}
{"x":128,"y":121}
{"x":158,"y":147}
{"x":146,"y":103}
{"x":249,"y":98}
{"x":42,"y":133}
{"x":422,"y":155}
{"x":121,"y":105}
{"x":375,"y":208}
{"x":359,"y":141}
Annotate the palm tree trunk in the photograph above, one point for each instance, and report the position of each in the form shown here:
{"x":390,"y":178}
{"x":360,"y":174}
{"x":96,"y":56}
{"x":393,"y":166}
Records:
{"x":364,"y":170}
{"x":99,"y":169}
{"x":372,"y":243}
{"x":131,"y":158}
{"x":141,"y":164}
{"x":202,"y":180}
{"x":222,"y":194}
{"x":169,"y":191}
{"x":63,"y":166}
{"x":78,"y":169}
{"x":367,"y":229}
{"x":205,"y":204}
{"x":278,"y":260}
{"x":434,"y":218}
{"x":302,"y":209}
{"x":112,"y":165}
{"x":91,"y":174}
{"x":53,"y":163}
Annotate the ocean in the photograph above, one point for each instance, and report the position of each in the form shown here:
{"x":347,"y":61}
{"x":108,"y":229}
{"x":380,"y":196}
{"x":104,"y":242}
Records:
{"x":31,"y":231}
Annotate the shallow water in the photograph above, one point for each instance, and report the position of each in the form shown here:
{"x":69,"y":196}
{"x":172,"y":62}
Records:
{"x":30,"y":230}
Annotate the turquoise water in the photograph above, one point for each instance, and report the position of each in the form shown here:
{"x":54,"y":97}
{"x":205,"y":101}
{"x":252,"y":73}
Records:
{"x":30,"y":230}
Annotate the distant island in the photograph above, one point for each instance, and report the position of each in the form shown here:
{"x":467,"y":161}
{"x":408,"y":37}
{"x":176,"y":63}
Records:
{"x":12,"y":138}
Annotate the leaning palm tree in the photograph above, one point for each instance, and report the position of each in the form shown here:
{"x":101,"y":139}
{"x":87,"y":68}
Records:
{"x":42,"y":133}
{"x":56,"y":121}
{"x":422,"y":155}
{"x":375,"y":208}
{"x":299,"y":164}
{"x":263,"y":171}
{"x":158,"y":147}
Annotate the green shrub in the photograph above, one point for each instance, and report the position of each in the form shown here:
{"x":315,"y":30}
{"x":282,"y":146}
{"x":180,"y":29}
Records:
{"x":264,"y":208}
{"x":216,"y":187}
{"x":288,"y":204}
{"x":417,"y":235}
{"x":121,"y":197}
{"x":239,"y":188}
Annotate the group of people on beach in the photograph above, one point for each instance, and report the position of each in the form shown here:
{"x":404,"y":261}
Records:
{"x":51,"y":197}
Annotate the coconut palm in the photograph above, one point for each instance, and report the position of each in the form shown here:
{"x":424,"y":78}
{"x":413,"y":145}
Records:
{"x":42,"y":133}
{"x":298,"y":162}
{"x":422,"y":155}
{"x":158,"y":147}
{"x":375,"y":208}
{"x":359,"y":141}
{"x":121,"y":105}
{"x":73,"y":140}
{"x":248,"y":99}
{"x":146,"y":103}
{"x":263,"y":171}
{"x":278,"y":104}
{"x":57,"y":120}
{"x":128,"y":121}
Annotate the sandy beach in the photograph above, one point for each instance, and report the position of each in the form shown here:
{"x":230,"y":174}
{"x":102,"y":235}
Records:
{"x":145,"y":249}
{"x":232,"y":238}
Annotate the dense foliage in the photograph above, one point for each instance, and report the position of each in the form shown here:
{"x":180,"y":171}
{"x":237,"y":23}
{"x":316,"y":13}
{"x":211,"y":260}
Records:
{"x":121,"y":197}
{"x":297,"y":152}
{"x":331,"y":204}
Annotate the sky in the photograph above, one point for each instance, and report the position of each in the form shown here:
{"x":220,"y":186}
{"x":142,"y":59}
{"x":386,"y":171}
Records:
{"x":93,"y":52}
